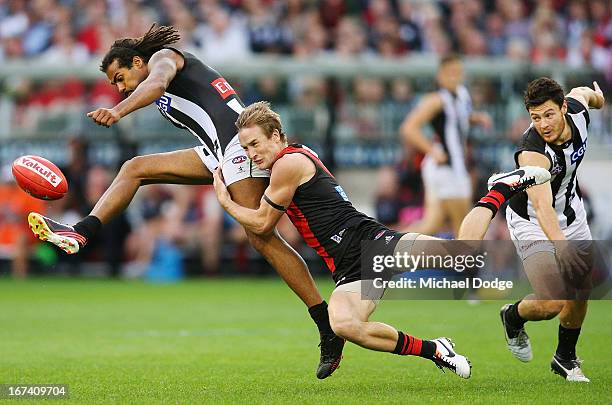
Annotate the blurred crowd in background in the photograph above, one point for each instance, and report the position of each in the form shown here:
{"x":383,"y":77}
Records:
{"x":577,"y":32}
{"x":173,"y":230}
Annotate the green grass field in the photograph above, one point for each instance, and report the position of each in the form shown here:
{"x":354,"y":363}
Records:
{"x":251,"y":341}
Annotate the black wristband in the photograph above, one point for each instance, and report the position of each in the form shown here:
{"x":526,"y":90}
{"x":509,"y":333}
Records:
{"x":273,"y":204}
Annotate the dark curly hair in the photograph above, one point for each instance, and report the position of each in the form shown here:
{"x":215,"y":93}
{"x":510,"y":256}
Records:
{"x":123,"y":50}
{"x":541,"y":90}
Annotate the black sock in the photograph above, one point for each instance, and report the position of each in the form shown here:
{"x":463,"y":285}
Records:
{"x":513,"y":318}
{"x":566,"y":348}
{"x":411,"y":346}
{"x":319,"y":315}
{"x":88,"y":226}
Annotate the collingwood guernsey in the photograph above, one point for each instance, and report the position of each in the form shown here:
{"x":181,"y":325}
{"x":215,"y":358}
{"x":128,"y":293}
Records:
{"x":201,"y":101}
{"x":564,"y":161}
{"x":452,"y":124}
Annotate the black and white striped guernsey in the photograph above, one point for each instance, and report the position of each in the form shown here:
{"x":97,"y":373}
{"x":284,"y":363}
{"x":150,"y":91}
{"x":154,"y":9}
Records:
{"x":201,"y":101}
{"x":452,"y":124}
{"x":564,"y":161}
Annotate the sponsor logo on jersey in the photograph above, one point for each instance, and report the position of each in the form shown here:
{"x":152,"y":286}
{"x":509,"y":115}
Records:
{"x":379,"y":234}
{"x":223,"y":88}
{"x":388,"y":239}
{"x":578,"y":154}
{"x":342,"y":193}
{"x":239,"y":159}
{"x":40,"y":169}
{"x":163,"y":104}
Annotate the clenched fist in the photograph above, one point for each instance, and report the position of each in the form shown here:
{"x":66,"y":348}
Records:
{"x":104,"y":116}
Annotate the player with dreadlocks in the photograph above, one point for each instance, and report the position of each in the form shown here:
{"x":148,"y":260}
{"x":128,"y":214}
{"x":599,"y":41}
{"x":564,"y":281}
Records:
{"x":194,"y":97}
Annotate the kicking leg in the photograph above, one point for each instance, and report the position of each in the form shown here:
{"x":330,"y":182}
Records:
{"x":179,"y":167}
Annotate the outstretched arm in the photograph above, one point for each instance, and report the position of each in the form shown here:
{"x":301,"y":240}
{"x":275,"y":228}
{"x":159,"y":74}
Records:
{"x":285,"y":179}
{"x":589,"y":97}
{"x":163,"y":66}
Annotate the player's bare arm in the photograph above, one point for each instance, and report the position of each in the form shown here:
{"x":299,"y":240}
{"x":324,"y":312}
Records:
{"x":589,"y":97}
{"x":411,"y":129}
{"x":162,"y":68}
{"x":541,"y":196}
{"x":289,"y":172}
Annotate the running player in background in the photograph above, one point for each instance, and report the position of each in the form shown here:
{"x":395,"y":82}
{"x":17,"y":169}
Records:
{"x":541,"y":220}
{"x":194,"y":97}
{"x":448,"y":189}
{"x":301,"y":186}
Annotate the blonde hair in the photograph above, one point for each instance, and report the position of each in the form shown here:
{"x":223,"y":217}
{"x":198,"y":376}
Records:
{"x":263,"y":116}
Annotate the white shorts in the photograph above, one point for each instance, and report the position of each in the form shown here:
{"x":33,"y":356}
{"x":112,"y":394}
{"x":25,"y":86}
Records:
{"x":444,"y":182}
{"x":235,"y":165}
{"x":529,"y":238}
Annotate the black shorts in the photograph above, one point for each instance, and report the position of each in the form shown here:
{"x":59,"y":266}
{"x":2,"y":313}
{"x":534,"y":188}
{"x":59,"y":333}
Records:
{"x":349,"y":267}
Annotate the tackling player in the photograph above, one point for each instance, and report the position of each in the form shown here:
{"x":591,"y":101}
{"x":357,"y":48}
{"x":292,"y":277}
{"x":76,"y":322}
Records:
{"x":541,"y":220}
{"x":301,"y":186}
{"x":194,"y":97}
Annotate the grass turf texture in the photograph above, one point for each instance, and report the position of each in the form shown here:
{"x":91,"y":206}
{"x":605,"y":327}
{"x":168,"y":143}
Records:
{"x":251,"y":341}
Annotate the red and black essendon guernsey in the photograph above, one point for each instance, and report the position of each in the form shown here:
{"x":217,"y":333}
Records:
{"x":321,"y":210}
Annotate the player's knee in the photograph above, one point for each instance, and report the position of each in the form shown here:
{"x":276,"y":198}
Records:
{"x":134,"y":167}
{"x":550,"y":309}
{"x":346,"y":327}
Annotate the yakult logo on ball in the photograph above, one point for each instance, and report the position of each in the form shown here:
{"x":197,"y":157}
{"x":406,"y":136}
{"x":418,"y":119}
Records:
{"x":41,"y":169}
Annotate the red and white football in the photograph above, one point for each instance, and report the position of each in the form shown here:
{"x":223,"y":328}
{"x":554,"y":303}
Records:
{"x":39,"y":177}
